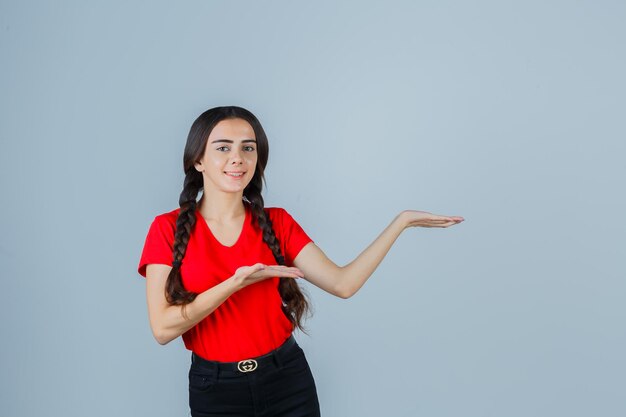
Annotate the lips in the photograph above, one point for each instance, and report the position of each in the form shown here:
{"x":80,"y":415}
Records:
{"x":234,"y":174}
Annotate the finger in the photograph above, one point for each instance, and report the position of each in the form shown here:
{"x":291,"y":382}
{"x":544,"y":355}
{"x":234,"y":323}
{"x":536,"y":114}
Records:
{"x":287,"y":268}
{"x":446,"y":224}
{"x":448,"y":218}
{"x":286,"y":271}
{"x":437,"y":217}
{"x":296,"y":272}
{"x":429,"y":222}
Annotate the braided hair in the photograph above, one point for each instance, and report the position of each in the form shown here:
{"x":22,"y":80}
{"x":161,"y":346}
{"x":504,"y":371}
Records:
{"x":295,"y":305}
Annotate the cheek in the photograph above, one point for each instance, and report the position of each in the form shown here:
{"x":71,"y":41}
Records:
{"x":217,"y":163}
{"x":251,"y":160}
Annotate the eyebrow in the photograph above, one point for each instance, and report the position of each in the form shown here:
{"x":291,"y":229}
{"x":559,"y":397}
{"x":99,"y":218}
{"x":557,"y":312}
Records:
{"x":230,"y":141}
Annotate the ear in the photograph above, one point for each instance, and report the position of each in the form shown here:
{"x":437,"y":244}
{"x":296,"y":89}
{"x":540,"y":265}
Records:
{"x":198,"y":166}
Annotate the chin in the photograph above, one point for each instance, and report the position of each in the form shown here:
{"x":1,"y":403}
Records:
{"x":232,"y":189}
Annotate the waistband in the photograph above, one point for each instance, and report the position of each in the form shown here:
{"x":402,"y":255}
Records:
{"x":246,"y":365}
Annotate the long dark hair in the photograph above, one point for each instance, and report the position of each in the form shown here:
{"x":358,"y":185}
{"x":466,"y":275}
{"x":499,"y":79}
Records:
{"x":295,"y":304}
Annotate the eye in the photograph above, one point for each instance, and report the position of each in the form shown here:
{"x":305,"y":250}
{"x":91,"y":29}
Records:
{"x":222,"y":147}
{"x":250,"y":148}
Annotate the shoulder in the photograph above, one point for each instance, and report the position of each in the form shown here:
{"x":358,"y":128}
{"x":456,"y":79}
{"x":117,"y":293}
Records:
{"x":277,"y":214}
{"x":167,"y":219}
{"x":274,"y":211}
{"x":280,"y":217}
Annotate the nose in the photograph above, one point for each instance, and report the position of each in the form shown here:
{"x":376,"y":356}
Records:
{"x":236,"y":158}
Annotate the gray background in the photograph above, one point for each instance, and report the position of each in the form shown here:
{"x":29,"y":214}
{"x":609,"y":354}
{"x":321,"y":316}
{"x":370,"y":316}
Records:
{"x":510,"y":114}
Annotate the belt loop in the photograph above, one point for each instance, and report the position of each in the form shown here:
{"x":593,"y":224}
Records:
{"x":277,"y":359}
{"x":216,"y":373}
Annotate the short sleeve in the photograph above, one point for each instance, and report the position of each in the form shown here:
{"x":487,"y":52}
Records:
{"x":293,"y":238}
{"x":158,"y":246}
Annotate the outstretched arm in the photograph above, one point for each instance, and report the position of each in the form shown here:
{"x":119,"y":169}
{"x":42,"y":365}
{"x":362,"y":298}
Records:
{"x":345,"y":281}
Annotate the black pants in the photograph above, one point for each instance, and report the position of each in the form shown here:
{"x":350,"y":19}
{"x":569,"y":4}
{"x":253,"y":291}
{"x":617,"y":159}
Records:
{"x":284,"y":387}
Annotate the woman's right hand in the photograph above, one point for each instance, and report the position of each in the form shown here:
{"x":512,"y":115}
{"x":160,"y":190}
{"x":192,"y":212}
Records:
{"x":247,"y":275}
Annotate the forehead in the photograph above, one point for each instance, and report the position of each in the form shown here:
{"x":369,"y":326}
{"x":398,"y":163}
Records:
{"x":232,"y":129}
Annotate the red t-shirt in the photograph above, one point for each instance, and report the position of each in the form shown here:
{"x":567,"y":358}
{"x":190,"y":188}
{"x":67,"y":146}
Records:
{"x":250,"y":322}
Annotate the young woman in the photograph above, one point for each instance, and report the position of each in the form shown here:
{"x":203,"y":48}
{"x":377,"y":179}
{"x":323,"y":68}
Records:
{"x":222,"y":272}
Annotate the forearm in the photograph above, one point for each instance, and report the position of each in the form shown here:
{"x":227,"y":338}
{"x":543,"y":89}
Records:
{"x":174,"y":324}
{"x":353,"y":275}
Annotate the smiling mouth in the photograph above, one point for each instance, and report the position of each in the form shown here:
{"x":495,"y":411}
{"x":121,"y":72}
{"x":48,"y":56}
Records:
{"x":234,"y":174}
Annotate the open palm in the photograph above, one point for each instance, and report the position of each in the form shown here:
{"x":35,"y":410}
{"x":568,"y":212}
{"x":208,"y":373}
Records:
{"x":414,"y":218}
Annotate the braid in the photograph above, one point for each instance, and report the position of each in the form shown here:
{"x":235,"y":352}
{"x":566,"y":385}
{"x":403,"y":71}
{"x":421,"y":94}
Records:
{"x":175,"y":292}
{"x":295,"y":304}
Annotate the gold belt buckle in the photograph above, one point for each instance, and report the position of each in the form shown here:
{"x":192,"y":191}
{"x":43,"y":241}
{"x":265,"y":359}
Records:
{"x":247,"y":365}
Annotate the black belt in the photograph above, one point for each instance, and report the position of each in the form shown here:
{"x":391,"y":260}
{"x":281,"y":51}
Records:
{"x":246,"y":365}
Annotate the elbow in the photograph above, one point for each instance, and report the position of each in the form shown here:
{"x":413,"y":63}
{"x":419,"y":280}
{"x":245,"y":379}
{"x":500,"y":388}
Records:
{"x":341,"y":290}
{"x":344,"y":293}
{"x":344,"y":296}
{"x":160,"y":332}
{"x":161,"y":341}
{"x":161,"y":338}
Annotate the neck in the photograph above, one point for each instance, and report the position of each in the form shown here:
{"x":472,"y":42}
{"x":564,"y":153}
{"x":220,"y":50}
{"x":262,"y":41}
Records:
{"x":221,"y":207}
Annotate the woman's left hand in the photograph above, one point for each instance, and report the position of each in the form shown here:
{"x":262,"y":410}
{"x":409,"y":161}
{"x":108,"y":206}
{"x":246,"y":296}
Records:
{"x":413,"y":218}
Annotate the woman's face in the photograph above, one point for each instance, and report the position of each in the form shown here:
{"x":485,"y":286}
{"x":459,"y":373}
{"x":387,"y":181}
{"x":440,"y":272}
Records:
{"x":230,"y":156}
